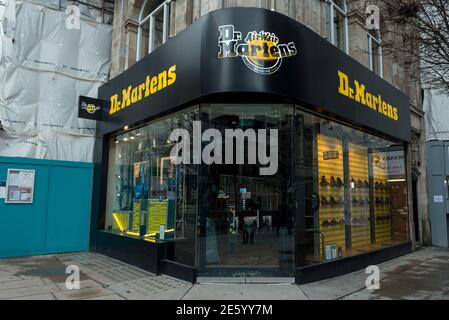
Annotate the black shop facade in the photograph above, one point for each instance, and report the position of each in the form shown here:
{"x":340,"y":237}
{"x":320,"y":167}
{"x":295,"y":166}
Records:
{"x":247,"y":147}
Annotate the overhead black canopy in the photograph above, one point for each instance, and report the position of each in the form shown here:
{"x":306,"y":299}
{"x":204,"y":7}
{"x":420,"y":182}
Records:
{"x":256,"y":52}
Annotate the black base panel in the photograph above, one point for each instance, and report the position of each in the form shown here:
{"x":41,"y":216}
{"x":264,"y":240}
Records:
{"x":178,"y":270}
{"x":350,"y":264}
{"x":142,"y":254}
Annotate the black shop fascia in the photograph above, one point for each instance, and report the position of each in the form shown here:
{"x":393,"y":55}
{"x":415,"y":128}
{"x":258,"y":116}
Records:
{"x":235,"y":56}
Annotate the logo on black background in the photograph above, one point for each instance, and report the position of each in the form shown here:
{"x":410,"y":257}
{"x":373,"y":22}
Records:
{"x":89,"y":107}
{"x":261,"y":51}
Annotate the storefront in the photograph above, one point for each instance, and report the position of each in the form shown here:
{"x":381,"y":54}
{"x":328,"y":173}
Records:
{"x":316,"y":187}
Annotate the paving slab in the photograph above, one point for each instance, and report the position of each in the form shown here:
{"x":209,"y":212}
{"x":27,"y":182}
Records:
{"x":152,"y":288}
{"x":27,"y":291}
{"x":46,"y":296}
{"x":427,"y":279}
{"x":221,"y":291}
{"x":109,"y":297}
{"x":84,"y":284}
{"x":423,"y":274}
{"x":21,"y":283}
{"x":82,"y":293}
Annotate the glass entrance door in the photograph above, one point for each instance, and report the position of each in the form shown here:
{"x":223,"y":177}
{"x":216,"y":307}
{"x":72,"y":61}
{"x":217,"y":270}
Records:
{"x":246,"y":218}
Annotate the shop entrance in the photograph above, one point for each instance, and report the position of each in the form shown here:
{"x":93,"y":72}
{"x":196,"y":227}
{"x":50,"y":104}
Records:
{"x":246,"y":219}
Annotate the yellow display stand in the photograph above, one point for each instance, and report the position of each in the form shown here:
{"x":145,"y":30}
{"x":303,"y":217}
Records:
{"x":120,"y":221}
{"x":157,"y":215}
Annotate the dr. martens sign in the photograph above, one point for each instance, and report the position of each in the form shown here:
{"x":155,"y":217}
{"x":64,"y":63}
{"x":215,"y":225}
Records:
{"x":360,"y":94}
{"x":249,"y":55}
{"x":151,"y":85}
{"x":261,"y":51}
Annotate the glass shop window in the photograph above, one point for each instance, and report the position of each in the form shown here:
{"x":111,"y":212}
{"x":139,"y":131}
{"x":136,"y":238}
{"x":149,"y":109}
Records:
{"x":150,"y":197}
{"x":355,"y":189}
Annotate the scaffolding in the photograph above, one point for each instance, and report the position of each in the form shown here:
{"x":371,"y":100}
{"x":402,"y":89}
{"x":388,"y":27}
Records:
{"x":44,"y":67}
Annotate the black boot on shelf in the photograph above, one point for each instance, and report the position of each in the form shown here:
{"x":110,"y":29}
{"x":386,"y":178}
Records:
{"x":326,"y":223}
{"x":332,"y":201}
{"x":333,"y":182}
{"x":341,"y":201}
{"x":378,"y":202}
{"x":323,"y":181}
{"x":340,"y":182}
{"x":324,"y":201}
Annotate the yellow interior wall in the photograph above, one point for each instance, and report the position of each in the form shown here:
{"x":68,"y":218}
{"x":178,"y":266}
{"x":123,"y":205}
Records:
{"x":383,"y":228}
{"x":328,"y":168}
{"x":358,"y":169}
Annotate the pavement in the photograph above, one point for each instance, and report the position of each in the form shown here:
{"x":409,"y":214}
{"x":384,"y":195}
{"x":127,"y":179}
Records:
{"x":423,"y":274}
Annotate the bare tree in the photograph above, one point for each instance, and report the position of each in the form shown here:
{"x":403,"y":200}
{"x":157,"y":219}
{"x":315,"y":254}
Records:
{"x":423,"y":29}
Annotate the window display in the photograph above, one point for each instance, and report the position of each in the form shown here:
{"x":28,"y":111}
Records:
{"x":360,"y":189}
{"x":338,"y":192}
{"x":331,"y":192}
{"x":147,"y":192}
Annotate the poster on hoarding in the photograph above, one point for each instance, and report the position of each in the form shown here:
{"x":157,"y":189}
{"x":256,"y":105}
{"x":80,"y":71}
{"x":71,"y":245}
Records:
{"x":20,"y":186}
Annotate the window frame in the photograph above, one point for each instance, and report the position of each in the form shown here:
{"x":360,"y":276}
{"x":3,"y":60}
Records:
{"x":343,"y":11}
{"x":150,"y":19}
{"x":371,"y":38}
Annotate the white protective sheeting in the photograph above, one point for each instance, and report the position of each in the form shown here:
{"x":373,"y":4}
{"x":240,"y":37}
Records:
{"x":436,"y":119}
{"x":44,"y":67}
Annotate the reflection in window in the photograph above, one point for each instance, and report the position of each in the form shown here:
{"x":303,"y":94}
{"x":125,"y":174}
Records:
{"x":146,"y":190}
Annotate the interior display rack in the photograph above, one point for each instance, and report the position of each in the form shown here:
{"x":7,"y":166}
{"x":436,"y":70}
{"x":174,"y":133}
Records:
{"x":382,"y":210}
{"x":331,"y":193}
{"x":359,"y":196}
{"x":354,"y":197}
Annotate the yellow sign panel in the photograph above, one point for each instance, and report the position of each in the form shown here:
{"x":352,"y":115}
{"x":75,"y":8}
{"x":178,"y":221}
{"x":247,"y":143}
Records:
{"x":157,"y":215}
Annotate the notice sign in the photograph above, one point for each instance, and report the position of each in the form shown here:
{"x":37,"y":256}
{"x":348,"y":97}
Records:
{"x":2,"y":189}
{"x":330,"y":155}
{"x":20,"y":186}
